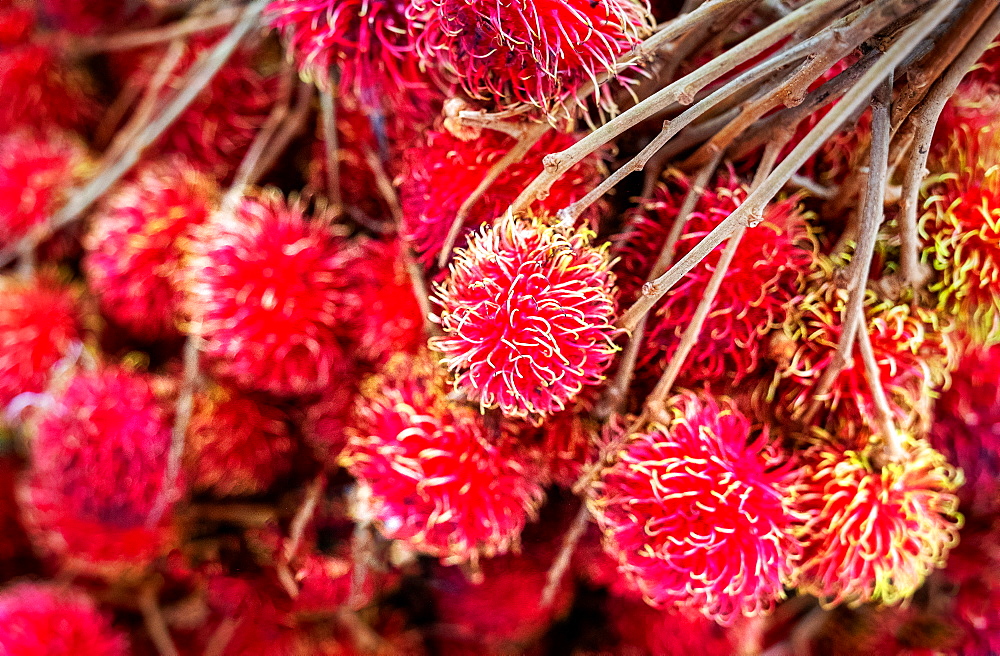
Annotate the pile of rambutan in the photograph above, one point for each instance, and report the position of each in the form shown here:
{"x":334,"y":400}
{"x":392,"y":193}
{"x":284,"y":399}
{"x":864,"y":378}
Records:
{"x":449,"y":327}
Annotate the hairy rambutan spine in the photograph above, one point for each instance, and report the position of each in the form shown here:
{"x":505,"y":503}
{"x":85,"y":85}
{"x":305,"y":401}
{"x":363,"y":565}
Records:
{"x":526,"y":314}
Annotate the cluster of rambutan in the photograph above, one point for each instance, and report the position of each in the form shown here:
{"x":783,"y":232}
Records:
{"x":334,"y":398}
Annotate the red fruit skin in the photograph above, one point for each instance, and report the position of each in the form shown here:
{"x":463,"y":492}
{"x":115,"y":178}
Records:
{"x":368,"y":44}
{"x":236,"y":444}
{"x":85,"y":17}
{"x":324,"y":426}
{"x":16,"y":25}
{"x":98,"y":455}
{"x":391,"y":321}
{"x":647,"y":630}
{"x":41,"y":322}
{"x":440,"y":171}
{"x":914,"y":351}
{"x":435,"y":477}
{"x":526,"y":314}
{"x":697,"y":512}
{"x":762,"y":282}
{"x":526,"y":52}
{"x":42,"y":90}
{"x":476,"y":621}
{"x":46,"y":620}
{"x":36,"y":170}
{"x":869,"y":534}
{"x":268,"y":291}
{"x":134,"y":245}
{"x":966,"y":427}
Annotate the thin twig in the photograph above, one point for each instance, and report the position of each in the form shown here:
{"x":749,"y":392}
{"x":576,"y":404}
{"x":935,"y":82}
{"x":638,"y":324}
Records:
{"x":848,"y":32}
{"x":750,"y":211}
{"x":384,"y":184}
{"x":201,"y":74}
{"x":331,"y":145}
{"x":554,"y":577}
{"x":894,"y":451}
{"x":290,"y":128}
{"x":296,"y":532}
{"x":156,"y":626}
{"x":182,"y":418}
{"x":925,"y":118}
{"x":140,"y":38}
{"x":655,"y":404}
{"x":614,"y":396}
{"x":531,"y":134}
{"x":420,"y":289}
{"x":556,"y":164}
{"x":872,"y":212}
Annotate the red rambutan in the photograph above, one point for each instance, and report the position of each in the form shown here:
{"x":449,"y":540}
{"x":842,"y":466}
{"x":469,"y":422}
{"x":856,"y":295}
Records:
{"x":442,"y":171}
{"x":98,"y":455}
{"x":41,"y":90}
{"x":133,"y":254}
{"x":266,"y":290}
{"x":526,"y":314}
{"x":16,"y":25}
{"x":325,"y":423}
{"x":764,"y":277}
{"x":85,"y":17}
{"x":36,"y":171}
{"x":236,"y":444}
{"x":698,"y":513}
{"x":527,"y":52}
{"x":870,"y":534}
{"x":913,"y":350}
{"x":646,"y":630}
{"x":365,"y":43}
{"x":390,"y":321}
{"x":961,"y":228}
{"x":561,"y":446}
{"x":40,"y":324}
{"x":967,"y":427}
{"x":436,"y":479}
{"x":45,"y":620}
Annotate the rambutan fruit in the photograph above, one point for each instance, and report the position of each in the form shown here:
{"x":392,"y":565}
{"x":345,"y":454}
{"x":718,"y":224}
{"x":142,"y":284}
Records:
{"x":98,"y":456}
{"x":36,"y":171}
{"x":85,"y":17}
{"x":766,"y":274}
{"x":913,"y":348}
{"x":266,"y":289}
{"x":16,"y":25}
{"x":216,"y":129}
{"x":133,"y":247}
{"x":527,"y":52}
{"x":561,"y":446}
{"x":437,"y":479}
{"x":698,"y":513}
{"x":871,"y":534}
{"x":42,"y":90}
{"x":644,"y":630}
{"x":960,"y":228}
{"x":526,"y":314}
{"x":391,"y":320}
{"x":966,"y":427}
{"x":441,"y":171}
{"x":324,"y":426}
{"x":236,"y":444}
{"x":45,"y":620}
{"x":41,"y":323}
{"x":365,"y":45}
{"x":476,"y":621}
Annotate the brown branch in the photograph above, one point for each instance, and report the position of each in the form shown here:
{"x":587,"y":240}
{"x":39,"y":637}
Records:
{"x":331,"y":145}
{"x":751,"y":210}
{"x":614,"y":396}
{"x":529,"y":136}
{"x":554,"y":577}
{"x":291,"y":127}
{"x":208,"y":65}
{"x":156,"y":626}
{"x":141,"y":38}
{"x":853,"y":314}
{"x":925,"y":118}
{"x":178,"y":434}
{"x":556,"y":164}
{"x":655,"y":404}
{"x":894,"y":451}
